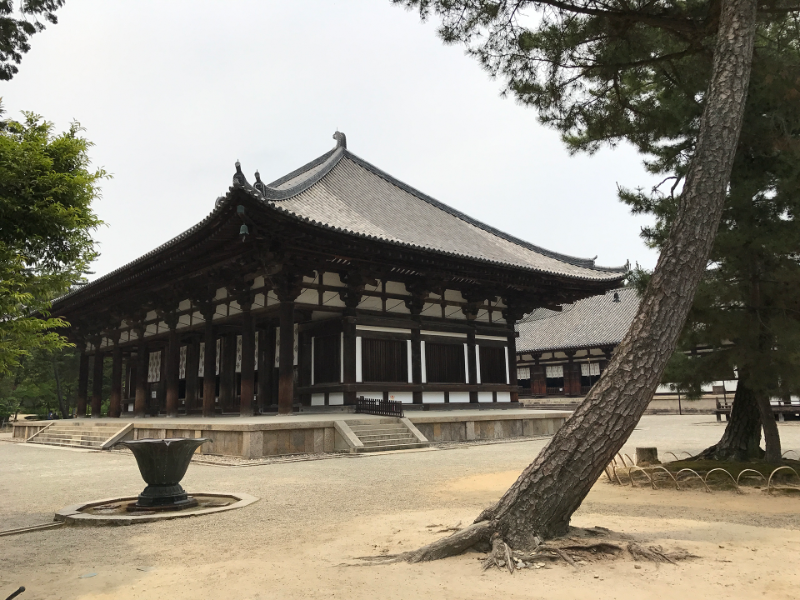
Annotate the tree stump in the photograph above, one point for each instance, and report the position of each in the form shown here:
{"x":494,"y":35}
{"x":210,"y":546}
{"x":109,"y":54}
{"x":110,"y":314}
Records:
{"x":647,"y":456}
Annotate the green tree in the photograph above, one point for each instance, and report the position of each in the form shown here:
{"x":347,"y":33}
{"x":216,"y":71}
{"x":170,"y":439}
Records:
{"x":748,"y":306}
{"x":590,"y":68}
{"x":46,"y":223}
{"x":45,"y":381}
{"x":18,"y":22}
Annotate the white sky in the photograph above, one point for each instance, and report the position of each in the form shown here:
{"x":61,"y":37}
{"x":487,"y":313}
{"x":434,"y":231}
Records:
{"x":173,"y":93}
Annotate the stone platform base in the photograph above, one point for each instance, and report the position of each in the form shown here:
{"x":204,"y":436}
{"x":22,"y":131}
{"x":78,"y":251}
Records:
{"x":255,"y":437}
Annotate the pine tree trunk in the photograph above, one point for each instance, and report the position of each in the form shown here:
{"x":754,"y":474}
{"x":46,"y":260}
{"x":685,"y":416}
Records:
{"x":742,"y":437}
{"x":772,"y":439}
{"x":549,"y":490}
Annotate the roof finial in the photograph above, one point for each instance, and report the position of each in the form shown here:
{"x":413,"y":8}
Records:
{"x":239,"y":177}
{"x":259,"y":185}
{"x":341,"y":140}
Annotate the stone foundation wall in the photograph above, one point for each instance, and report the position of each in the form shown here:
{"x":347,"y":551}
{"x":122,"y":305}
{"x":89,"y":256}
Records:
{"x":487,"y":429}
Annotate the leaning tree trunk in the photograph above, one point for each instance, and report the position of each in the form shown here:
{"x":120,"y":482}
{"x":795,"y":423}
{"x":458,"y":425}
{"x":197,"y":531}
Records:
{"x":742,"y":437}
{"x":772,"y":439}
{"x":550,"y":489}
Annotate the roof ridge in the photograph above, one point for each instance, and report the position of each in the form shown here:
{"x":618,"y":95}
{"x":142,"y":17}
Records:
{"x":310,"y":165}
{"x":271,"y":194}
{"x":573,"y":260}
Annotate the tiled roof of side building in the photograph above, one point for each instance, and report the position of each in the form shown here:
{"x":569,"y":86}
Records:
{"x":592,"y":322}
{"x":343,"y":192}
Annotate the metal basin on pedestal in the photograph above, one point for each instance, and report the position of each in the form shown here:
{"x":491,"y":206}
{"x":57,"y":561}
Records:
{"x":163,"y":464}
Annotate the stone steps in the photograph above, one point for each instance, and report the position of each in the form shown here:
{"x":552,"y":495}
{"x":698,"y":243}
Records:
{"x":385,"y":434}
{"x":77,"y":435}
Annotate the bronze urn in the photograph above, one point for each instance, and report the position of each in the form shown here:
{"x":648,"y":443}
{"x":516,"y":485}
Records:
{"x":163,"y":463}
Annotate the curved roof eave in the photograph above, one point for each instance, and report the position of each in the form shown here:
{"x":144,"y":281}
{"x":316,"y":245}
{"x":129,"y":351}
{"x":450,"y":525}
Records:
{"x":271,"y":198}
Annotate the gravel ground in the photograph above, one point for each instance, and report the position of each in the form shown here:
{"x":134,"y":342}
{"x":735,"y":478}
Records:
{"x":309,"y":502}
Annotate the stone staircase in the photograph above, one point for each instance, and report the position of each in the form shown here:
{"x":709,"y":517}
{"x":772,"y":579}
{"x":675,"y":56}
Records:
{"x":75,"y":433}
{"x":385,"y":434}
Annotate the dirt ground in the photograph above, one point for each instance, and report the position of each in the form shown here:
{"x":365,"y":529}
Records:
{"x":315,"y":517}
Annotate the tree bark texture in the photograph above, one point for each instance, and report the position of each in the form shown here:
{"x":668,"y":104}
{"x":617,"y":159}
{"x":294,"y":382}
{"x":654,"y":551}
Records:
{"x":550,"y":489}
{"x":772,"y":439}
{"x":742,"y":437}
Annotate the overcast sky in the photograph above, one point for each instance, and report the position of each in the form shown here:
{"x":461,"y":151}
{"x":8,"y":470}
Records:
{"x":173,"y":93}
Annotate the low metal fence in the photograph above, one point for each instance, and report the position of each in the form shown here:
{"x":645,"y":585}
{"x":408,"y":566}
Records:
{"x":383,"y":408}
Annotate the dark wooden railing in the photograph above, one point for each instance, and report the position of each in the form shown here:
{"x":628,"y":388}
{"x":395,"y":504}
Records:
{"x":383,"y":408}
{"x":555,"y":391}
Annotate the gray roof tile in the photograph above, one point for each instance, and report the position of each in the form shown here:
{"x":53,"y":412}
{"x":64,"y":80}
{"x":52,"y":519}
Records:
{"x":343,"y":192}
{"x":592,"y":322}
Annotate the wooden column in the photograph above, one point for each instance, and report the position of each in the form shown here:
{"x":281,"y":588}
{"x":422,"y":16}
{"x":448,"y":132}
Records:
{"x":286,"y":361}
{"x":572,"y":376}
{"x":304,"y":362}
{"x":349,"y":356}
{"x":173,"y":359}
{"x":416,"y":363}
{"x":209,"y":366}
{"x":192,"y":367}
{"x":472,"y":363}
{"x":512,"y":365}
{"x":538,"y":377}
{"x":227,"y":372}
{"x":266,"y":358}
{"x":142,"y":365}
{"x":97,"y":382}
{"x":83,"y":383}
{"x":115,"y":406}
{"x":248,"y":361}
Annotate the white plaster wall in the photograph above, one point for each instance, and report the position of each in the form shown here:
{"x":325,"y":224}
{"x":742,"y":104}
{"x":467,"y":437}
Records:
{"x":336,"y":399}
{"x":395,"y":287}
{"x":404,"y":397}
{"x":484,"y":396}
{"x":308,"y":296}
{"x":397,"y":306}
{"x":332,"y":299}
{"x":317,"y":399}
{"x":332,"y":279}
{"x":504,"y":396}
{"x":459,"y":397}
{"x":371,"y":303}
{"x":428,"y":397}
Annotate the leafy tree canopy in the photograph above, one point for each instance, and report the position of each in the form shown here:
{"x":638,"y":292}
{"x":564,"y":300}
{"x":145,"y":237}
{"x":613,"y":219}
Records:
{"x":18,"y":22}
{"x":607,"y":71}
{"x":46,"y":222}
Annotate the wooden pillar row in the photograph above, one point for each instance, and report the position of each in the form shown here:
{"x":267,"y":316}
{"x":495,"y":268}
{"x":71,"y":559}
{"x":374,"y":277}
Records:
{"x":266,"y":360}
{"x":349,"y":356}
{"x":209,"y":364}
{"x":115,"y":405}
{"x":192,"y":368}
{"x":248,"y":360}
{"x":472,"y":365}
{"x":97,"y":382}
{"x":142,"y":365}
{"x":83,"y":384}
{"x":172,"y":369}
{"x":286,"y":359}
{"x":511,"y":349}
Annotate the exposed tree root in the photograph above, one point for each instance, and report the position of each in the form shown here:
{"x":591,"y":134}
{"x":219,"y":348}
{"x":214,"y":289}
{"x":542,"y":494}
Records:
{"x":579,"y":547}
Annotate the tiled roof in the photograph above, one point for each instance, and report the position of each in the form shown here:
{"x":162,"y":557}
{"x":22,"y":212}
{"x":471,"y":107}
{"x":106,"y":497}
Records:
{"x":343,"y":192}
{"x":592,"y":322}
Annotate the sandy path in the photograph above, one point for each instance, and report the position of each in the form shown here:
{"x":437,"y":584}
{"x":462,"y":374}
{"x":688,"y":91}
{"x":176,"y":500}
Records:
{"x":314,"y":516}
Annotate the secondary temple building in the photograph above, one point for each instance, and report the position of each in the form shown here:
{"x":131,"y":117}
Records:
{"x":332,"y":282}
{"x":563,"y":352}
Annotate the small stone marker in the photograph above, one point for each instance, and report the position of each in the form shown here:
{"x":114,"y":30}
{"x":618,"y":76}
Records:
{"x":647,"y":456}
